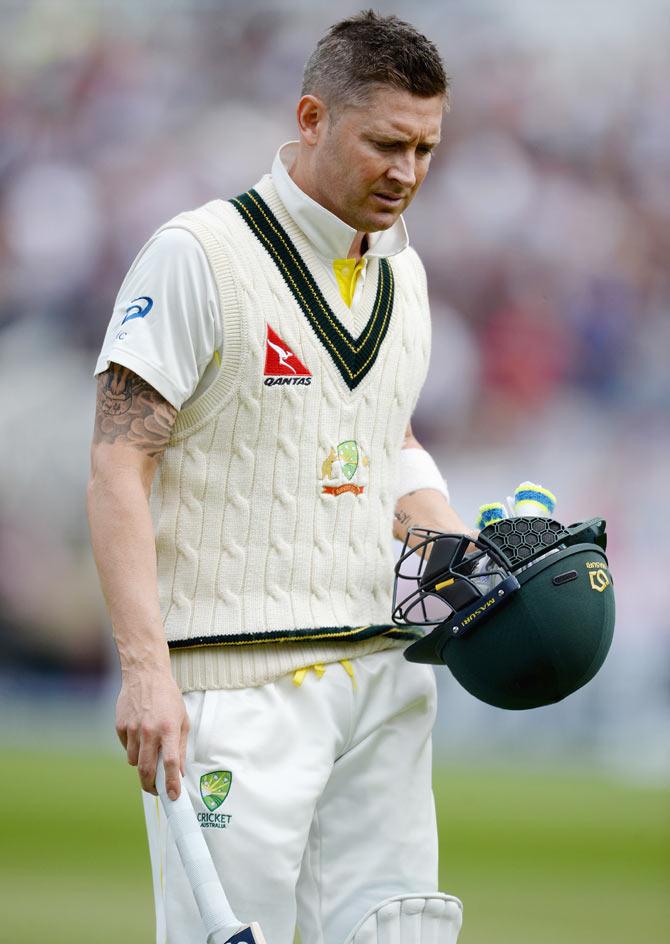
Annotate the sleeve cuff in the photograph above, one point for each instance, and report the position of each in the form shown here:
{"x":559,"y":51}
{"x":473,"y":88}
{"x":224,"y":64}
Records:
{"x":144,"y":370}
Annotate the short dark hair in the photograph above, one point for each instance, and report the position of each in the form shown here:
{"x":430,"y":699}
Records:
{"x":367,"y":50}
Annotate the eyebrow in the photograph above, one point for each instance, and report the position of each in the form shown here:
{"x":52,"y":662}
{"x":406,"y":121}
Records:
{"x":399,"y":138}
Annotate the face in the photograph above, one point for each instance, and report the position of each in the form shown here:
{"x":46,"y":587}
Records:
{"x":369,"y":161}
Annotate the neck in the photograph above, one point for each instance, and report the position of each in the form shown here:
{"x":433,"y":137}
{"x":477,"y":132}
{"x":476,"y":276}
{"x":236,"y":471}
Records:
{"x":299,"y":173}
{"x":359,"y":246}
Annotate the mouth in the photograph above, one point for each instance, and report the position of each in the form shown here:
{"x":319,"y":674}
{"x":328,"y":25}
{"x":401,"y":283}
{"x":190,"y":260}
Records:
{"x":389,"y":199}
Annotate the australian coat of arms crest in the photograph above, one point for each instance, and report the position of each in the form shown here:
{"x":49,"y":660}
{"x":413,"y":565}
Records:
{"x":345,"y":469}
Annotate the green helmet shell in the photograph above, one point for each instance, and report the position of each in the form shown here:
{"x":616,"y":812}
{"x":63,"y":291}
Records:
{"x":544,"y":639}
{"x":548,"y":640}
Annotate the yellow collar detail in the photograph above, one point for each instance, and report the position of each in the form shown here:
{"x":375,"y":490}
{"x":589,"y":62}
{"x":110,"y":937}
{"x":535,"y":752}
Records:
{"x":346,"y":273}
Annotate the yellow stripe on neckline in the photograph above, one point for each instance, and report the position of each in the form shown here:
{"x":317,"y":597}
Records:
{"x":347,"y":272}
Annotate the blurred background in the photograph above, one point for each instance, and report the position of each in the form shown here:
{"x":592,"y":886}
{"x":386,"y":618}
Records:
{"x":544,"y":225}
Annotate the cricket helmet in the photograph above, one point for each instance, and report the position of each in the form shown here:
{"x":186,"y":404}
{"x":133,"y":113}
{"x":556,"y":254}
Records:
{"x":523,"y":619}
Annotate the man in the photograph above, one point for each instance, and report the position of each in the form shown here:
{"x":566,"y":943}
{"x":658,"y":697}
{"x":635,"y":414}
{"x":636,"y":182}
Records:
{"x":258,"y":377}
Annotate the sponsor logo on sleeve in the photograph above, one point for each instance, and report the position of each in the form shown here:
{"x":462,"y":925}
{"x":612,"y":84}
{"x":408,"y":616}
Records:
{"x":138,"y":308}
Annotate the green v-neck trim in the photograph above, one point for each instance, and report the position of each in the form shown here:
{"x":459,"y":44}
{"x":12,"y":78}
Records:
{"x":353,"y":357}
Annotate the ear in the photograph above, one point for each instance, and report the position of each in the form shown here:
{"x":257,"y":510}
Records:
{"x":312,"y":115}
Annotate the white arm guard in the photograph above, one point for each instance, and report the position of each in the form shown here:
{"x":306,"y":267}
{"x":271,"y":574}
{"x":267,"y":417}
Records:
{"x":417,"y":469}
{"x":411,"y":919}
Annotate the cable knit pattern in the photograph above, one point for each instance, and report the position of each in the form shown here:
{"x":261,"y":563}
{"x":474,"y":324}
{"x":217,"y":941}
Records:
{"x":251,"y":549}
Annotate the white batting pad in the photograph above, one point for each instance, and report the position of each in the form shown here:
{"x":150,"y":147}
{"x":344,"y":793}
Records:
{"x":411,"y":919}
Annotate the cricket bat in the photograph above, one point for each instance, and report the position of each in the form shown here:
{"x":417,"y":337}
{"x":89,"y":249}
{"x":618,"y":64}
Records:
{"x":221,"y":925}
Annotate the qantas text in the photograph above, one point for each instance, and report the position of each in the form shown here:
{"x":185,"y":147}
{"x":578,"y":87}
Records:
{"x":271,"y":381}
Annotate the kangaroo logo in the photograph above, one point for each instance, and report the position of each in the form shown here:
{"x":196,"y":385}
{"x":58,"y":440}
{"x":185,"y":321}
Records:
{"x":277,"y":367}
{"x":283,"y":355}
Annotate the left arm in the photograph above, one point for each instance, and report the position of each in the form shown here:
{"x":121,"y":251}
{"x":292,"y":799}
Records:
{"x":425,"y":507}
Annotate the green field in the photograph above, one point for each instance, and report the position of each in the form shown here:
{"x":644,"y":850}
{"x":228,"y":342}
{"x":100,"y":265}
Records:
{"x":555,"y":858}
{"x":538,"y":858}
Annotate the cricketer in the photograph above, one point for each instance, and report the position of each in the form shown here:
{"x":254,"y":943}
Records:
{"x":252,"y":460}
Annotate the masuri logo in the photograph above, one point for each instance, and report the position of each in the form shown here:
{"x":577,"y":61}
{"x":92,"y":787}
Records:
{"x":214,"y":788}
{"x":599,"y":580}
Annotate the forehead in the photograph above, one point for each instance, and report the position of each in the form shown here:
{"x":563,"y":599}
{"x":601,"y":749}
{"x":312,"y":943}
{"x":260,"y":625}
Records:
{"x":399,"y":114}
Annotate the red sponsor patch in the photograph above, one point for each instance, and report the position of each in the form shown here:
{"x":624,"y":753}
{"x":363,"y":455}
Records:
{"x":280,"y":360}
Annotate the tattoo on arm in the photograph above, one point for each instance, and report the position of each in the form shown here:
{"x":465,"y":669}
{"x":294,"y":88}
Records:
{"x":403,"y":517}
{"x":129,"y":410}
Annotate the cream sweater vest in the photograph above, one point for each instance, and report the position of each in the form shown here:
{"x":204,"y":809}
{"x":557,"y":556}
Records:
{"x":274,"y":503}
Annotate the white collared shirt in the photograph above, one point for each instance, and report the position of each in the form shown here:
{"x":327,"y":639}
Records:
{"x":166,"y":322}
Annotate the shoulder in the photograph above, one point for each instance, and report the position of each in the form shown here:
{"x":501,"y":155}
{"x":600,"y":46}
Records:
{"x":408,"y":262}
{"x":216,"y":227}
{"x":409,"y":271}
{"x":166,"y":320}
{"x":210,"y":215}
{"x":410,"y":257}
{"x":172,"y":243}
{"x":173,"y":260}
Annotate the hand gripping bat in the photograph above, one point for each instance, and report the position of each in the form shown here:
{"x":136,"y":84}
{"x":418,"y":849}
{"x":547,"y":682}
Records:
{"x":220,"y":923}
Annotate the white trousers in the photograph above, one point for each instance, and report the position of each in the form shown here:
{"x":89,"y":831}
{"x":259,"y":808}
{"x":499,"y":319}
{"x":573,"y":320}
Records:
{"x":329,"y":807}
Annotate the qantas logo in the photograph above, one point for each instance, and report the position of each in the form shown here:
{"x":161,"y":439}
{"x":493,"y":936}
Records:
{"x":282,"y":366}
{"x":283,"y":356}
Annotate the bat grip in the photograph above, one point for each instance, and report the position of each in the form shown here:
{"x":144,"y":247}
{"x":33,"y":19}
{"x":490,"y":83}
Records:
{"x":217,"y":915}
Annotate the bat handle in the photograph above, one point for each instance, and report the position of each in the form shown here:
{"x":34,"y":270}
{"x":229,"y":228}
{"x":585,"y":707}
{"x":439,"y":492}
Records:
{"x":250,"y":934}
{"x":217,"y":916}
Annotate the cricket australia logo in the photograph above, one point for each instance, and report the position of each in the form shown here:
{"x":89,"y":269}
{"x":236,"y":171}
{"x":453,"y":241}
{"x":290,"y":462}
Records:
{"x":282,"y":366}
{"x":214,"y":788}
{"x":345,"y":469}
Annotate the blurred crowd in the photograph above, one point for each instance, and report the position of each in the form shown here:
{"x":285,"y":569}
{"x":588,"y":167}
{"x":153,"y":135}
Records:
{"x":543,"y":225}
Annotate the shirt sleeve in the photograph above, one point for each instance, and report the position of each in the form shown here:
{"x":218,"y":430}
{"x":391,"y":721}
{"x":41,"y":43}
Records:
{"x":166,"y":322}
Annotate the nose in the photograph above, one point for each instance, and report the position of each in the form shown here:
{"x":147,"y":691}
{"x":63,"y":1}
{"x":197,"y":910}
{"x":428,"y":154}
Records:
{"x":403,"y":170}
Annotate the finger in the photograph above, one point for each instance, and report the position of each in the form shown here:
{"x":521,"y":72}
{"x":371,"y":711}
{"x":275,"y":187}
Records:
{"x":171,"y":763}
{"x":122,"y":734}
{"x":183,"y":741}
{"x":146,"y":763}
{"x":132,"y":745}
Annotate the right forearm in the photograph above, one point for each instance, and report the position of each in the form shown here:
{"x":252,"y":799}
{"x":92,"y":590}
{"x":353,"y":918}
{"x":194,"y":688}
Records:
{"x":123,"y":545}
{"x":132,"y":429}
